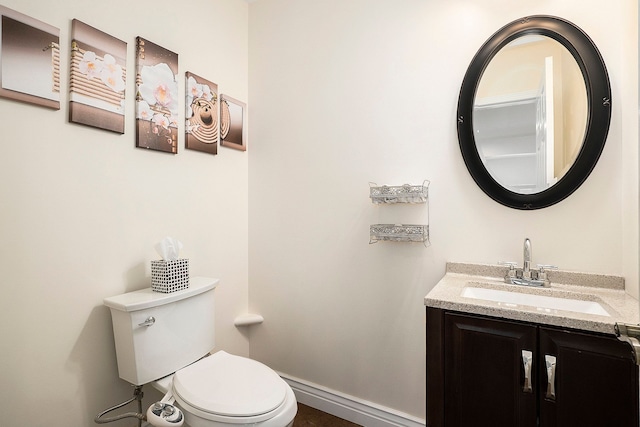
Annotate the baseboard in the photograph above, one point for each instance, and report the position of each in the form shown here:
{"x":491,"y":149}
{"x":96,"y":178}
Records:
{"x":350,"y":408}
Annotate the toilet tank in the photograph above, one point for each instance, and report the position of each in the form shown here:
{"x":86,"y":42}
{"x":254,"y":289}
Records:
{"x":158,"y":333}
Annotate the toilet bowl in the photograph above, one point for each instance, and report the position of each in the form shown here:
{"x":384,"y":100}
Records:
{"x":161,"y":338}
{"x":228,"y":390}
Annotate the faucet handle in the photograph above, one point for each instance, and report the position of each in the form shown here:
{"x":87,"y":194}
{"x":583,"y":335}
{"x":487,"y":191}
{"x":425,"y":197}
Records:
{"x":509,"y":264}
{"x":512,"y":269}
{"x":542,"y":272}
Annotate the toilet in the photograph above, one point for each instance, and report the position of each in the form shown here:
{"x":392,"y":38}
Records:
{"x":165,"y":340}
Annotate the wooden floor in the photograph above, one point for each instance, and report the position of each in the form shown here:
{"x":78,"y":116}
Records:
{"x":310,"y":417}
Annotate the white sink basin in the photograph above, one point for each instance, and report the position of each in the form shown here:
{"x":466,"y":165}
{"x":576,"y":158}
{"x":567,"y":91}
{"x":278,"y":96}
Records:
{"x":541,"y":302}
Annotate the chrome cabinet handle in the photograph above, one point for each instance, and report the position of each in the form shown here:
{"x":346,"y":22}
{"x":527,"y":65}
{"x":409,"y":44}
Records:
{"x":550,"y":361}
{"x":148,"y":321}
{"x":527,"y":363}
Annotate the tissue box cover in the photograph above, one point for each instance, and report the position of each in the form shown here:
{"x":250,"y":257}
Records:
{"x":169,"y":276}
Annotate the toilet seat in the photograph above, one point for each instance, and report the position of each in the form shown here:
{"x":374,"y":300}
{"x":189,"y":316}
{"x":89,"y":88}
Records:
{"x":234,"y":389}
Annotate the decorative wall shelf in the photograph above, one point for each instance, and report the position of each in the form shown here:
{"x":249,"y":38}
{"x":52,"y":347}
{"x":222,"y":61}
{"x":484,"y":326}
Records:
{"x":399,"y":233}
{"x":400,"y":194}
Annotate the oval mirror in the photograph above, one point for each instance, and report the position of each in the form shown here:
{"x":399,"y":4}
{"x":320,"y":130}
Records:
{"x":534,"y":112}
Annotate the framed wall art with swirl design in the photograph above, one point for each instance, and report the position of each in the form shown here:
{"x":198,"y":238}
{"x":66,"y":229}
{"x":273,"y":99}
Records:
{"x":202,"y":126}
{"x":232,"y":118}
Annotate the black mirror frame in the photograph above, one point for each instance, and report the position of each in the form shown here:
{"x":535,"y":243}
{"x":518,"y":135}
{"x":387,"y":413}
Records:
{"x":598,"y":88}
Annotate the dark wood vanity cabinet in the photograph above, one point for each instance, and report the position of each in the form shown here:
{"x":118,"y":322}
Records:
{"x":478,"y":375}
{"x":596,"y":380}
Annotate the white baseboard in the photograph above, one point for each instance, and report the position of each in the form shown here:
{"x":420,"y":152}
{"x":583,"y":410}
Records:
{"x":350,"y":408}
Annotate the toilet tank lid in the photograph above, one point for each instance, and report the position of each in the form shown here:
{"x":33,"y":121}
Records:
{"x":146,"y":298}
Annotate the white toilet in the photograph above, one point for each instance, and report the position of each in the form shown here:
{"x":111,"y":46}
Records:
{"x":162,"y":339}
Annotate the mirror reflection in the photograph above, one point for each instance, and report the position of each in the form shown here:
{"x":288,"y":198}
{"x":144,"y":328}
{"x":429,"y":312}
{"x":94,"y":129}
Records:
{"x":530,"y":114}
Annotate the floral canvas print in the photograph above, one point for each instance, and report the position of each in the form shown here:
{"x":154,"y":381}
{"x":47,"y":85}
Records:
{"x":202,"y":127}
{"x":29,"y":60}
{"x":97,"y":78}
{"x":232,"y":129}
{"x":156,"y":97}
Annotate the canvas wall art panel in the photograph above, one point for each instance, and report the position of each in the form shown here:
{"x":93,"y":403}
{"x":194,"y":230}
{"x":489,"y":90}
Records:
{"x":202,"y":127}
{"x":97,"y":78}
{"x":29,"y":60}
{"x":232,"y":128}
{"x":156,"y":97}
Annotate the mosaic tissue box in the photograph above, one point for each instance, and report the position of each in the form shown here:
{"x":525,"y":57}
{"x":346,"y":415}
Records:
{"x":169,"y":276}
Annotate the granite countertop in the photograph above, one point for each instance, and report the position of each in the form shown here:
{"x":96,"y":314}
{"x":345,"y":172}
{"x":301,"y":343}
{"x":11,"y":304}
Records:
{"x":608,"y":291}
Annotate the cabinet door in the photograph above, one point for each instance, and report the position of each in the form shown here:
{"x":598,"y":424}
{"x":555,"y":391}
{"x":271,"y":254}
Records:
{"x":486,"y":382}
{"x":595,"y":384}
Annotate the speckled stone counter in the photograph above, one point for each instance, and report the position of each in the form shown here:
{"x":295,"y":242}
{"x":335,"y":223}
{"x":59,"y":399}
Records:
{"x":608,"y":291}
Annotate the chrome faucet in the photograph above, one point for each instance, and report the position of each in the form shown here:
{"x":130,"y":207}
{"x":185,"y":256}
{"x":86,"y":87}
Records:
{"x":526,"y":265}
{"x":527,"y":276}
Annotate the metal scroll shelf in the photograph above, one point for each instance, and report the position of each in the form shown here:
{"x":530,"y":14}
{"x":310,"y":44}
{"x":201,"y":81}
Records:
{"x":398,"y":233}
{"x":399,"y":194}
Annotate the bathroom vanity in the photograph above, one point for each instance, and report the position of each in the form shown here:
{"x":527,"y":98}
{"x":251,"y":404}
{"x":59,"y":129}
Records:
{"x":504,"y":355}
{"x":522,"y":347}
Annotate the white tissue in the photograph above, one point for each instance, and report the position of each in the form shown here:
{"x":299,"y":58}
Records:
{"x":169,"y":248}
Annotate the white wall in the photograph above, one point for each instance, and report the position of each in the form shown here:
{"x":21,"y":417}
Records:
{"x":344,"y":93}
{"x":82,"y":209}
